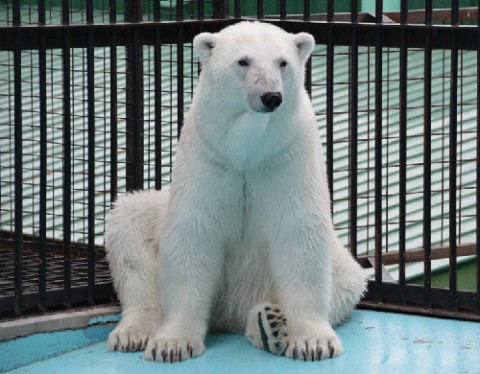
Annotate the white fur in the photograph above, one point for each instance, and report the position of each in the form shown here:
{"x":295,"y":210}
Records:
{"x":247,"y":220}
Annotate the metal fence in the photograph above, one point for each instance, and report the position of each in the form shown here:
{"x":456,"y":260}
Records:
{"x":92,"y":99}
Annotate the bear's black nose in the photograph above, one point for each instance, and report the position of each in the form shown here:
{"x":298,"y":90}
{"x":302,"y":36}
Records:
{"x":271,"y":100}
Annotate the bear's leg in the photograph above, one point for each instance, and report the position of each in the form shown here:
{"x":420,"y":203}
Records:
{"x":134,"y":263}
{"x":299,"y":233}
{"x":267,"y":328}
{"x":348,"y":284}
{"x":193,"y":266}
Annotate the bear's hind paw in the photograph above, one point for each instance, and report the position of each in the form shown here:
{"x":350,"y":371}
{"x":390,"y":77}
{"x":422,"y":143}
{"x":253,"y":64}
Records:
{"x":267,"y":328}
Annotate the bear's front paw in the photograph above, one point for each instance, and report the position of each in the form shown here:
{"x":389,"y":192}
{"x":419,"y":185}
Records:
{"x":174,"y":349}
{"x":127,"y":338}
{"x":313,"y":349}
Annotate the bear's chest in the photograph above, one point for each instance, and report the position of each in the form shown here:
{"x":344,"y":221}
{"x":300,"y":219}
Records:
{"x":247,"y":141}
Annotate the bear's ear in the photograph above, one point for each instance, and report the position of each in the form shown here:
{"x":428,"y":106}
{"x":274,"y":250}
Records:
{"x":204,"y":44}
{"x":304,"y":43}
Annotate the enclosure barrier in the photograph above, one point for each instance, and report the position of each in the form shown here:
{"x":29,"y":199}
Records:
{"x":92,"y":99}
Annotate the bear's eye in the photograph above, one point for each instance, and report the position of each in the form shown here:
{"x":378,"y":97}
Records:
{"x":243,"y":63}
{"x":283,"y":63}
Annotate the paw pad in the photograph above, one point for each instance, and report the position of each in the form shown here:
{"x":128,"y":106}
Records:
{"x":269,"y":327}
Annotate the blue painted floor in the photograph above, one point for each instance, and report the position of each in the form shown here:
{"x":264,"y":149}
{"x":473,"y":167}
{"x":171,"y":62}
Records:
{"x":374,"y":342}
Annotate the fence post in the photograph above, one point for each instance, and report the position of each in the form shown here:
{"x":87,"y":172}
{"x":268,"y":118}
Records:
{"x":134,"y":98}
{"x":220,"y":9}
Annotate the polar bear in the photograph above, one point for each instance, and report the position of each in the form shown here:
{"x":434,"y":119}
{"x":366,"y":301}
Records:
{"x":244,"y":240}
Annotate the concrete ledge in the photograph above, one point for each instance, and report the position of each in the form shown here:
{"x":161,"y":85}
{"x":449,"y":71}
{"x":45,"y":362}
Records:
{"x":70,"y":320}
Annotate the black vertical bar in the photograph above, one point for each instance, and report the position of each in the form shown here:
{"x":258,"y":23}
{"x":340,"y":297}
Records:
{"x":18,"y":150}
{"x":283,"y":9}
{"x":221,"y":9}
{"x":113,"y":110}
{"x":237,"y":9}
{"x":158,"y":96}
{"x":179,"y":10}
{"x":89,"y":11}
{"x":134,"y":14}
{"x":308,"y":77}
{"x":428,"y":12}
{"x":180,"y":70}
{"x":354,"y":12}
{"x":455,"y":12}
{"x":330,"y":10}
{"x":260,"y":9}
{"x":137,"y":78}
{"x":353,"y":154}
{"x":42,"y":251}
{"x":427,"y":168}
{"x":378,"y":11}
{"x":378,"y":153}
{"x":67,"y":162}
{"x":91,"y":155}
{"x":41,"y":12}
{"x":403,"y":12}
{"x":478,"y":162}
{"x":452,"y":165}
{"x":113,"y":104}
{"x":201,"y":10}
{"x":158,"y":110}
{"x":329,"y":127}
{"x":306,"y":10}
{"x":180,"y":81}
{"x":403,"y":150}
{"x":16,"y":13}
{"x":156,"y":10}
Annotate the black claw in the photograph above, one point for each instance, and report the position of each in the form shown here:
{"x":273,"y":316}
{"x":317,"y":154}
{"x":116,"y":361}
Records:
{"x":172,"y":353}
{"x":190,"y":350}
{"x":332,"y":351}
{"x":164,"y":355}
{"x":319,"y":353}
{"x":275,"y":333}
{"x":154,"y":354}
{"x":294,"y":353}
{"x":273,"y":324}
{"x":268,"y":308}
{"x":180,"y":355}
{"x":270,"y":316}
{"x":115,"y":347}
{"x":304,"y":354}
{"x":312,"y":355}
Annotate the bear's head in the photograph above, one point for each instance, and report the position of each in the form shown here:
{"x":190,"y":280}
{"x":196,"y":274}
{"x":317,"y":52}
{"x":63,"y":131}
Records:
{"x":253,"y":66}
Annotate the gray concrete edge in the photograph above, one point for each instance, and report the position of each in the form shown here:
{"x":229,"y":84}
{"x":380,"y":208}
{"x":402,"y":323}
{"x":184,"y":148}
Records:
{"x":75,"y":319}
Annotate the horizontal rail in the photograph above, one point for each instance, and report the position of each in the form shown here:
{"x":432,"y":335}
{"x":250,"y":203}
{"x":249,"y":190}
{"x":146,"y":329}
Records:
{"x":418,"y":310}
{"x":417,"y":255}
{"x":438,"y":15}
{"x":366,"y":33}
